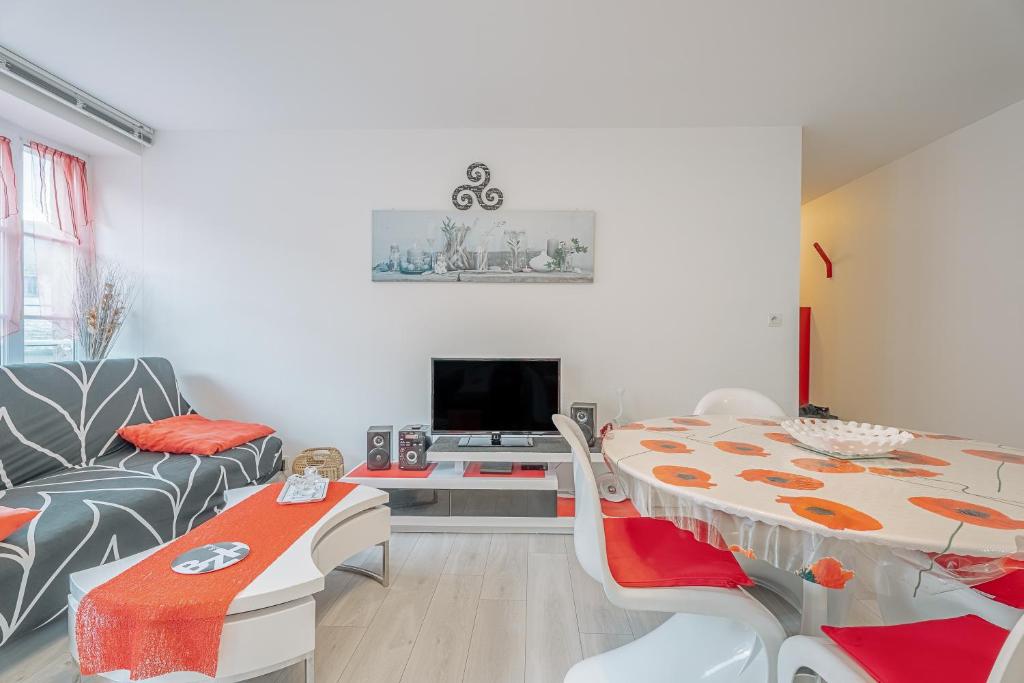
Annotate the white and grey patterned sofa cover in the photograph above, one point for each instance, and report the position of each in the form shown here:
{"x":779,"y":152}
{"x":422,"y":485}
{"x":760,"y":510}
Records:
{"x":100,"y":497}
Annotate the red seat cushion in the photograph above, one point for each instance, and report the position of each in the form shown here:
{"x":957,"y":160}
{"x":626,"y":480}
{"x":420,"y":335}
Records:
{"x":647,"y":552}
{"x":958,"y":650}
{"x":1007,"y":589}
{"x":623,"y":509}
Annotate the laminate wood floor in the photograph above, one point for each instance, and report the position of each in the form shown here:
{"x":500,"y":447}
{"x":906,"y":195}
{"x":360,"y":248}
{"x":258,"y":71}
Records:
{"x":471,"y":608}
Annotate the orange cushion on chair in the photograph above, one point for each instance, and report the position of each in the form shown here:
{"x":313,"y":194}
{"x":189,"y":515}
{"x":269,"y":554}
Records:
{"x":1007,"y":589}
{"x":12,"y":519}
{"x":958,"y":650}
{"x":647,"y":552}
{"x":192,"y":434}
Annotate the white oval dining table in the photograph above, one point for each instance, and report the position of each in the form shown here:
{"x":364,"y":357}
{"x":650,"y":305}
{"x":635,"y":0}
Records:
{"x":744,"y":484}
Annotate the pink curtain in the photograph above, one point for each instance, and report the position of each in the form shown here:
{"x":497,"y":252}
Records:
{"x":8,"y":185}
{"x":65,"y":193}
{"x":10,"y":244}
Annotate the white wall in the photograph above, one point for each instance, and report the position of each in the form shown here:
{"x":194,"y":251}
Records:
{"x":258,"y":286}
{"x":922,"y":324}
{"x":116,"y":185}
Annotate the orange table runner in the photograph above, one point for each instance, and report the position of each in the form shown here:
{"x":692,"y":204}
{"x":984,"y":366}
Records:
{"x":393,"y":472}
{"x":152,"y":621}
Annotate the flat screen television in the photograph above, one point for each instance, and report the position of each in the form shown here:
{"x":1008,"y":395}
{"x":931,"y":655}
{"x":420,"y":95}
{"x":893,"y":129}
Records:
{"x":494,"y":395}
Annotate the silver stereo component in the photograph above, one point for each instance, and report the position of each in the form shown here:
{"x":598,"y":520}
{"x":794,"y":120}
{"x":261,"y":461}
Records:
{"x":585,"y":415}
{"x":413,"y":442}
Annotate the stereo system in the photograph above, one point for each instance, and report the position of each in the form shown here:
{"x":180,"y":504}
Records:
{"x":585,"y":415}
{"x":413,"y":442}
{"x":378,"y":447}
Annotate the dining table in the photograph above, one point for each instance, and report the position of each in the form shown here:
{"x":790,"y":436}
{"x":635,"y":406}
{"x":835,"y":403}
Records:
{"x":948,"y":511}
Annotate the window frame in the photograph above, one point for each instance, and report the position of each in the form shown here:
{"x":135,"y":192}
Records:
{"x":12,"y":346}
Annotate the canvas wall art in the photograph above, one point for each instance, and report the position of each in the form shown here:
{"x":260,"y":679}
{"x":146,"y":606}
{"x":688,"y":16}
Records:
{"x":483,"y":246}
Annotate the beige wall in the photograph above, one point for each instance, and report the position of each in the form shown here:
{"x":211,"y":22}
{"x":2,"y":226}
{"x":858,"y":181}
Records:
{"x":922,"y":324}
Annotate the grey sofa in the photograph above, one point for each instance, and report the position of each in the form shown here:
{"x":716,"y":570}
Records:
{"x":100,"y":497}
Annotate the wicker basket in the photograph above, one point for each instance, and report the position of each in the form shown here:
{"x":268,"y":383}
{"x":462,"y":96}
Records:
{"x":328,"y":462}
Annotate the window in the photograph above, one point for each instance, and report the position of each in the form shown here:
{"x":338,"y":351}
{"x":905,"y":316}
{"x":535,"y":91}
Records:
{"x":47,"y":265}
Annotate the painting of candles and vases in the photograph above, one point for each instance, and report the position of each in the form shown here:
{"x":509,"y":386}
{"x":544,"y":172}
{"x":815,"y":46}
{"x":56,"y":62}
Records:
{"x":483,"y":246}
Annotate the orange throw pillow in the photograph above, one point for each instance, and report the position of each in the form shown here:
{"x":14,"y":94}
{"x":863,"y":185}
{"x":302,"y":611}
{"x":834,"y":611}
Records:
{"x":12,"y":519}
{"x":192,"y":434}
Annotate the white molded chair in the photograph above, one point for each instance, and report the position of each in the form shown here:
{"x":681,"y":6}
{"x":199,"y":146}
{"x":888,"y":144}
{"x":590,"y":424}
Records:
{"x":717,"y":635}
{"x":749,"y":403}
{"x":935,"y":598}
{"x":737,"y":401}
{"x":829,"y":661}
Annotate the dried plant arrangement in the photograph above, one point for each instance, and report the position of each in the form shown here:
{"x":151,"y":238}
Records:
{"x":455,"y":244}
{"x":103,"y":296}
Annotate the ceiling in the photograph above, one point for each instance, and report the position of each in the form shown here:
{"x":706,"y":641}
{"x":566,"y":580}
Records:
{"x":870,"y":80}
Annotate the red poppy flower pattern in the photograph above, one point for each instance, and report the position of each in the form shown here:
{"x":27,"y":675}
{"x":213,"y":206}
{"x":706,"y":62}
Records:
{"x":745,"y":552}
{"x":984,"y":500}
{"x":691,"y":422}
{"x":968,"y":513}
{"x":783,"y":480}
{"x":683,"y":476}
{"x":902,"y":472}
{"x":1001,"y":456}
{"x":831,"y":514}
{"x":828,"y":572}
{"x":827,"y":466}
{"x":741,"y":448}
{"x":912,"y":458}
{"x":665,"y":446}
{"x":781,"y":437}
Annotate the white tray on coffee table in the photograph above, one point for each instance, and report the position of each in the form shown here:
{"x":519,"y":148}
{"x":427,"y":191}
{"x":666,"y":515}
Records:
{"x":271,"y":622}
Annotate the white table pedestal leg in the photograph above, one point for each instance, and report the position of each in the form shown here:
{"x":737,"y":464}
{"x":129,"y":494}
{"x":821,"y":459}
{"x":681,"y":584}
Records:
{"x":814,"y":611}
{"x":822,"y":606}
{"x":687,"y":647}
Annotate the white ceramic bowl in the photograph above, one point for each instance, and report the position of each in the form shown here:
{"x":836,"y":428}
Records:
{"x":846,"y":438}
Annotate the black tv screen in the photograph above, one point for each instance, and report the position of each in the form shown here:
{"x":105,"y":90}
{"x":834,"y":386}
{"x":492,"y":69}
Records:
{"x":494,"y":395}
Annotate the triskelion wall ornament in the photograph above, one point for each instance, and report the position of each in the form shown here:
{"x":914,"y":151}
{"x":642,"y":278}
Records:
{"x":489,"y":198}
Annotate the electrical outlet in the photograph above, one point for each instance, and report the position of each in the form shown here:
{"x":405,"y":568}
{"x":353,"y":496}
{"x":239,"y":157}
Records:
{"x":774,"y":320}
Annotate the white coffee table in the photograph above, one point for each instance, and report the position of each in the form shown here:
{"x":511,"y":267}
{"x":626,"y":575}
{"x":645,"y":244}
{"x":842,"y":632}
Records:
{"x":271,"y":624}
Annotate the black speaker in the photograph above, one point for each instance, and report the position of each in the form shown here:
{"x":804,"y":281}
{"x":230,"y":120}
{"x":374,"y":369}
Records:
{"x":413,"y":442}
{"x":378,"y":447}
{"x":585,"y":415}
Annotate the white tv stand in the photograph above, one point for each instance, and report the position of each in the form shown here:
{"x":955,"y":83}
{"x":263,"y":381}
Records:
{"x":447,"y":482}
{"x":496,"y":440}
{"x":549,"y":449}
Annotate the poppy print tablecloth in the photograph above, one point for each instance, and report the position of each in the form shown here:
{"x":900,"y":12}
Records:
{"x":949,"y":505}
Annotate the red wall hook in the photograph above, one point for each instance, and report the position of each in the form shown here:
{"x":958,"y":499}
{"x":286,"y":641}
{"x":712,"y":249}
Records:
{"x":826,"y":259}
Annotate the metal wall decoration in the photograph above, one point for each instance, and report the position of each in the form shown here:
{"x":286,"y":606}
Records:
{"x":489,"y":198}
